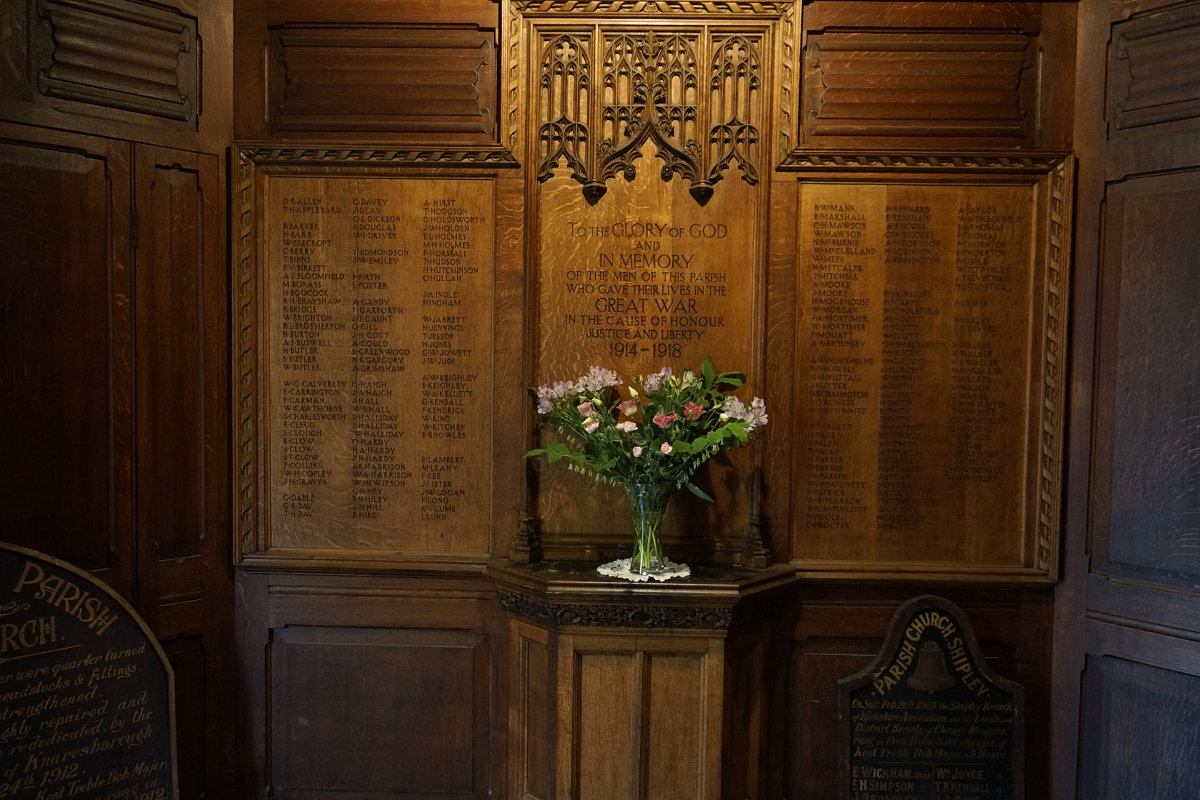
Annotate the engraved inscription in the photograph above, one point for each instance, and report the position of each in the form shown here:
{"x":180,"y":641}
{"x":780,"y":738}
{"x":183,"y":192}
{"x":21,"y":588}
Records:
{"x":85,"y":695}
{"x":379,"y":361}
{"x":642,"y":279}
{"x":914,"y":346}
{"x":928,"y":718}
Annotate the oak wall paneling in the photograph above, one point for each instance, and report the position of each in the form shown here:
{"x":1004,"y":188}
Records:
{"x":371,"y":74}
{"x":1130,"y":670}
{"x":648,"y":140}
{"x":69,"y":328}
{"x":920,"y":302}
{"x":115,"y":121}
{"x":837,"y":629}
{"x":131,"y":373}
{"x":385,"y":682}
{"x":377,"y":202}
{"x":494,"y":122}
{"x":163,"y":78}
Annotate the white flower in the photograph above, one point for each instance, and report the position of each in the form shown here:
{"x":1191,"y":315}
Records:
{"x":666,"y":448}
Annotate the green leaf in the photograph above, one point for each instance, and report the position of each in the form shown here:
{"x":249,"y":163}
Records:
{"x":696,"y":490}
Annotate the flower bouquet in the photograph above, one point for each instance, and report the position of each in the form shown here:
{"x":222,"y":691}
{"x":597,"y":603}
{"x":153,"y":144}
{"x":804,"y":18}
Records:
{"x":649,"y":439}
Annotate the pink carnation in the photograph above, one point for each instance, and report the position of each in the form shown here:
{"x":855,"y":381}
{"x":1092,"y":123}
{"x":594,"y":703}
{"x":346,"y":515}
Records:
{"x":665,"y":420}
{"x":693,"y":411}
{"x":585,"y":409}
{"x":666,"y":448}
{"x":637,"y":452}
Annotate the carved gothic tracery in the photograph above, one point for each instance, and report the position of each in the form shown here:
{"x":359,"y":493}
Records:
{"x":604,"y":99}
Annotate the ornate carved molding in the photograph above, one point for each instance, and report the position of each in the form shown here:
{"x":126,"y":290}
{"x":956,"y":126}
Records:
{"x":973,"y":162}
{"x":605,"y":615}
{"x":512,"y":81}
{"x":1053,"y":374}
{"x":787,"y":82}
{"x":119,"y":55}
{"x":273,"y":153}
{"x":601,"y":7}
{"x":695,"y":95}
{"x":245,"y":362}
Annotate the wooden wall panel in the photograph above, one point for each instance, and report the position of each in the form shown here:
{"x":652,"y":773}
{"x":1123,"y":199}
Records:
{"x":146,"y":72}
{"x":650,"y":210}
{"x":1127,"y":651}
{"x":934,"y":75}
{"x":1147,"y":374}
{"x":834,"y":633}
{"x":869,"y":83}
{"x":182,"y":412}
{"x":66,"y":393}
{"x":116,"y":295}
{"x":150,"y":69}
{"x":1134,"y":494}
{"x":1154,"y":60}
{"x":338,"y":81}
{"x":926,"y":355}
{"x":1139,"y":731}
{"x":361,"y":685}
{"x":362,"y":710}
{"x":377,"y":73}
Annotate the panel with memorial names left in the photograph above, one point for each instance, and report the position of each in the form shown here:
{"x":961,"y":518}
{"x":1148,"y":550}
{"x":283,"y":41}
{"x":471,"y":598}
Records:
{"x":377,"y":314}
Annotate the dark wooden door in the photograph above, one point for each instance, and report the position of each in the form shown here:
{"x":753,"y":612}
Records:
{"x":1129,"y":613}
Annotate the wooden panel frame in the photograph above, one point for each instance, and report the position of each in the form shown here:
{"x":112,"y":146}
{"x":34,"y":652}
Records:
{"x":252,"y":341}
{"x":131,"y":70}
{"x":366,"y":24}
{"x":980,"y":73}
{"x":69,"y":376}
{"x":1047,"y":179}
{"x":370,"y":625}
{"x":1137,"y":729}
{"x":431,"y":81}
{"x":1143,"y":508}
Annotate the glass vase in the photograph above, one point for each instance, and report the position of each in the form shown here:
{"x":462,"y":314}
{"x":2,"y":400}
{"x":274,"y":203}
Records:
{"x":648,"y":502}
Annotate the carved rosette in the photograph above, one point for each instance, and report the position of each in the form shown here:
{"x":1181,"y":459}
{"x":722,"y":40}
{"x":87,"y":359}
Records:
{"x":694,"y":96}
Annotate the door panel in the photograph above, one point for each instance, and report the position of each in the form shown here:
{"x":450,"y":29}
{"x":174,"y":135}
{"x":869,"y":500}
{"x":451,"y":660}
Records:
{"x":1128,"y":620}
{"x":66,"y":381}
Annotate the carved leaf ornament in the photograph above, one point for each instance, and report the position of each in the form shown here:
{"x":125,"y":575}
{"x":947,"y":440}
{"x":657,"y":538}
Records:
{"x":649,"y":90}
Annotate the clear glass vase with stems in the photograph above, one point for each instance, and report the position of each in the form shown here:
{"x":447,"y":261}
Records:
{"x":648,"y":502}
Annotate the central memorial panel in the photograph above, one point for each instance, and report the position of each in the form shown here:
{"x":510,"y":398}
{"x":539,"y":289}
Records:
{"x":644,"y":279}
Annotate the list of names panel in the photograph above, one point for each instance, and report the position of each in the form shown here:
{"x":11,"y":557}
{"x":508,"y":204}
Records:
{"x":379,"y":320}
{"x":915,"y":351}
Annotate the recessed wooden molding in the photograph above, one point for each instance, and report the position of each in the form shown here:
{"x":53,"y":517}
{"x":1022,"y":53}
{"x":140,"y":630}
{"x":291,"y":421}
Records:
{"x":394,"y":79}
{"x":1154,"y":59}
{"x":265,"y":153}
{"x":118,"y":55}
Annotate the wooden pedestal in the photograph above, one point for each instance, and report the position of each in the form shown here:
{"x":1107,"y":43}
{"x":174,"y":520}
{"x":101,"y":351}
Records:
{"x":638,"y":690}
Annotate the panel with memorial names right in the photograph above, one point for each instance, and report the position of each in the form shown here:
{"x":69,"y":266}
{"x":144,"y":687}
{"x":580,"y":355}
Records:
{"x":929,"y":324}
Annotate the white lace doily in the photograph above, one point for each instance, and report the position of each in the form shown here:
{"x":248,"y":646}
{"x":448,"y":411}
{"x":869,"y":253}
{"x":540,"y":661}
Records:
{"x":620,"y":569}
